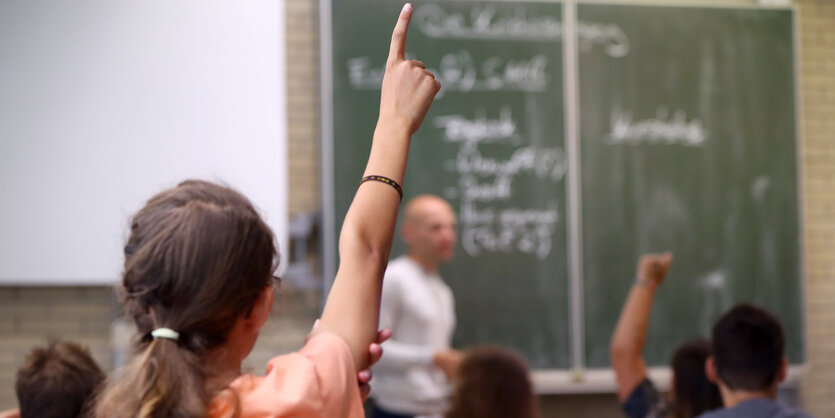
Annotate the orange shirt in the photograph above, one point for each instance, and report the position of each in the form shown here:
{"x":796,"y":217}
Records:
{"x":10,"y":413}
{"x":320,"y":380}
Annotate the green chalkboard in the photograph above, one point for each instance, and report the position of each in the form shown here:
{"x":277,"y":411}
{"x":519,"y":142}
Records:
{"x":492,"y":144}
{"x":688,"y":143}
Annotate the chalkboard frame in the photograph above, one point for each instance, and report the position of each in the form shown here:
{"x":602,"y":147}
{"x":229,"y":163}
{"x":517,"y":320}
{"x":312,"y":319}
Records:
{"x":579,"y":379}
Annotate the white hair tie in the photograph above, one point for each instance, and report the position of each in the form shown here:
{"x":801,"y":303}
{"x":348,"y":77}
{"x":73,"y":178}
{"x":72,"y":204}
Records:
{"x":165,"y":333}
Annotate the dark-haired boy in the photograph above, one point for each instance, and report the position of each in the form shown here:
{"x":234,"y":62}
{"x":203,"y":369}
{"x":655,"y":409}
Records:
{"x":57,"y":381}
{"x":748,"y":364}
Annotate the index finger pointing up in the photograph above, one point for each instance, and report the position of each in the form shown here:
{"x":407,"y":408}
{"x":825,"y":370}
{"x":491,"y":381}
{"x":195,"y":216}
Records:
{"x":398,"y":37}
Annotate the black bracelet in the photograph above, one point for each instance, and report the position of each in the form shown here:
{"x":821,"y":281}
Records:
{"x":385,"y":180}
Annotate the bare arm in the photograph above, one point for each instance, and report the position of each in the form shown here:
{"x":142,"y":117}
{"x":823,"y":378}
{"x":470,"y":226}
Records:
{"x":353,"y":305}
{"x":630,"y":335}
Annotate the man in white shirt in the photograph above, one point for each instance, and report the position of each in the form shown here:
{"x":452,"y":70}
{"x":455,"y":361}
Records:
{"x":412,"y":378}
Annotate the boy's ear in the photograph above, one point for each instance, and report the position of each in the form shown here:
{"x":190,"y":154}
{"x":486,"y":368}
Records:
{"x":784,"y":370}
{"x":710,"y":370}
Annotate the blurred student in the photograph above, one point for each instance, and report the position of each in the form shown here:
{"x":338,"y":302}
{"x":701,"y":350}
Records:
{"x":493,"y":382}
{"x":198,"y":283}
{"x":691,"y":391}
{"x":57,"y":381}
{"x":413,"y":377}
{"x":747,"y":363}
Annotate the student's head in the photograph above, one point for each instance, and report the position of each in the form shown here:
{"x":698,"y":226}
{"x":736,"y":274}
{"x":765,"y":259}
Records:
{"x":57,"y":381}
{"x":747,"y":350}
{"x":429,"y":228}
{"x":199,"y":261}
{"x":493,"y":383}
{"x":693,"y":393}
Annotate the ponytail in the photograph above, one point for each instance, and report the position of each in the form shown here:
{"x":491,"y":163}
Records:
{"x":197,"y":259}
{"x":165,"y":380}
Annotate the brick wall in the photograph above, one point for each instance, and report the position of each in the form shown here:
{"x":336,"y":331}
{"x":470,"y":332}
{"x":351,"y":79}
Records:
{"x":30,"y":316}
{"x":302,"y":17}
{"x":817,"y":89}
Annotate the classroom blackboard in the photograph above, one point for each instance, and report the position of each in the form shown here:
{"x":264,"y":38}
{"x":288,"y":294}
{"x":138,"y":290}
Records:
{"x":492,"y":144}
{"x":686,"y":141}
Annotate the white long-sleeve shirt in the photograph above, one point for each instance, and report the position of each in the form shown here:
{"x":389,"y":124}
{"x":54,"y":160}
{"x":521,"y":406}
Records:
{"x":419,"y":309}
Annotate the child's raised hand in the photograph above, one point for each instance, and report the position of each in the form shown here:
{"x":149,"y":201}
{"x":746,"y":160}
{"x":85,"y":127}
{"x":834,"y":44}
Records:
{"x":653,"y":268}
{"x":408,"y":87}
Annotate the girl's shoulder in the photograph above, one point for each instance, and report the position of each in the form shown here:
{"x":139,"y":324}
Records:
{"x":319,"y":380}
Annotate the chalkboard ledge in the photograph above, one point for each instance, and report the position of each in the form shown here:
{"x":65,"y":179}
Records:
{"x":589,"y":381}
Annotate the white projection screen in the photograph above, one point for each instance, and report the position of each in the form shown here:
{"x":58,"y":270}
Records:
{"x":104,"y":103}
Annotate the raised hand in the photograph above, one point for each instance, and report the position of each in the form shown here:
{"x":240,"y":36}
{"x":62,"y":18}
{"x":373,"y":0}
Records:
{"x":408,"y":87}
{"x":653,"y":268}
{"x":352,"y":309}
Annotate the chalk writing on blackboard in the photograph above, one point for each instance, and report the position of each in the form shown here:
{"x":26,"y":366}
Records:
{"x":486,"y":22}
{"x":480,"y":129}
{"x":670,"y":128}
{"x":489,"y":219}
{"x":458,"y":71}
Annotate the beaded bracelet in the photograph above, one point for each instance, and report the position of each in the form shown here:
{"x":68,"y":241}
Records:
{"x":385,"y":180}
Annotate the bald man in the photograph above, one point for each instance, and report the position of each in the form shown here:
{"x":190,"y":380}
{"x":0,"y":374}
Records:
{"x":412,"y":378}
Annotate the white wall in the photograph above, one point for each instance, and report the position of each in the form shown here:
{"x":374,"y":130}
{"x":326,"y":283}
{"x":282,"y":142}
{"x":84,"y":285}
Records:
{"x":103,"y":103}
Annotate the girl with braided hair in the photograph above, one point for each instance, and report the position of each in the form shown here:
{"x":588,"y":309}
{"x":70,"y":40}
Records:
{"x":198,"y":283}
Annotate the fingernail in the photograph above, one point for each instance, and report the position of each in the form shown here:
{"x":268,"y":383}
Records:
{"x":315,"y":324}
{"x":364,"y":375}
{"x":407,"y":7}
